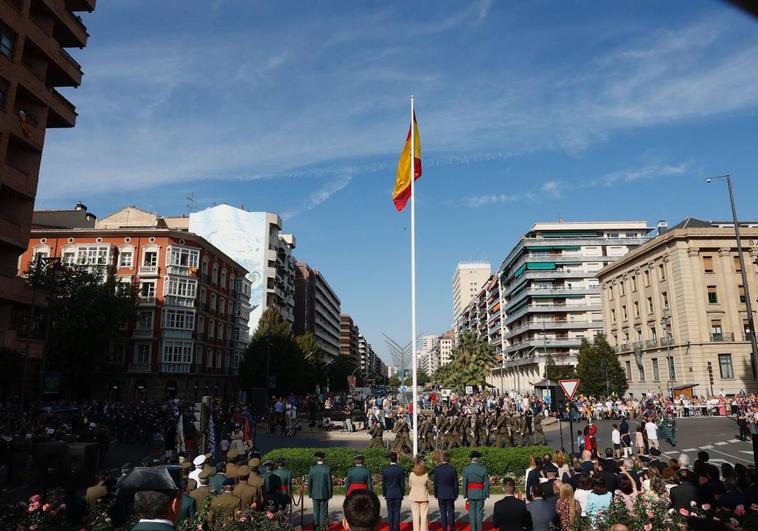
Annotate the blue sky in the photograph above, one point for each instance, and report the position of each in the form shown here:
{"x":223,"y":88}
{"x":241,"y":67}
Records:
{"x":528,"y":111}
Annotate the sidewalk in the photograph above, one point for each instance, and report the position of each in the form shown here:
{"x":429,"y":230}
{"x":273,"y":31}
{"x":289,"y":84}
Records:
{"x":335,"y":513}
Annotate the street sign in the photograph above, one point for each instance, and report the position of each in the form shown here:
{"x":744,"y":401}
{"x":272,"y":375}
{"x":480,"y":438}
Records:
{"x":404,"y":389}
{"x":569,"y":387}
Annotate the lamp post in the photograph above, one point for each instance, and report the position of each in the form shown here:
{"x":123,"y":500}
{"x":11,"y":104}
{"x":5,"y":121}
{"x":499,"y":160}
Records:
{"x":748,"y":303}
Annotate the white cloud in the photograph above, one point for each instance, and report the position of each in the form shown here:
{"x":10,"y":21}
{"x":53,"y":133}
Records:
{"x":321,"y":195}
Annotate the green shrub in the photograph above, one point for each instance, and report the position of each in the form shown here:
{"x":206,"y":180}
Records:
{"x":500,"y":461}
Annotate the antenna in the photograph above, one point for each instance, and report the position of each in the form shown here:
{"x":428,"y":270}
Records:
{"x":190,"y":202}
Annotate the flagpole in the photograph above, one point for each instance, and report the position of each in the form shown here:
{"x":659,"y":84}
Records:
{"x":413,"y":281}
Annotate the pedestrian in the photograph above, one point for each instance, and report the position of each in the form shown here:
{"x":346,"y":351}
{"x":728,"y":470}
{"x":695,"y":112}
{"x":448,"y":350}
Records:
{"x":568,"y":509}
{"x":393,"y":490}
{"x":446,"y":492}
{"x":476,"y":489}
{"x":651,"y":431}
{"x":510,"y":513}
{"x":320,"y":490}
{"x":668,"y":429}
{"x":626,"y":440}
{"x":419,"y":496}
{"x":616,"y":440}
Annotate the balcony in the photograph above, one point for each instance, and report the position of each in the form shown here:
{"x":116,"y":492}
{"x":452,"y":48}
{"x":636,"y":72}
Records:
{"x":720,"y":337}
{"x":148,"y":271}
{"x":181,"y":270}
{"x":146,"y":300}
{"x":173,"y":300}
{"x":143,"y":332}
{"x":555,"y":325}
{"x":175,"y":368}
{"x":550,"y":343}
{"x":13,"y":233}
{"x":173,"y":333}
{"x":545,"y":275}
{"x":551,"y":308}
{"x":139,"y":368}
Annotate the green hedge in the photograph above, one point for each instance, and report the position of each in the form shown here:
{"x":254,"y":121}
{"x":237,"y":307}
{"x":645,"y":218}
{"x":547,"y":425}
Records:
{"x":500,"y":461}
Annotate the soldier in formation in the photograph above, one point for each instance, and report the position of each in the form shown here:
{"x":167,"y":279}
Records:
{"x":358,"y":477}
{"x":402,"y":441}
{"x":376,"y":432}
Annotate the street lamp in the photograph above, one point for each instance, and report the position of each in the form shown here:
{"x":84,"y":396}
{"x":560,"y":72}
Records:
{"x":748,"y":303}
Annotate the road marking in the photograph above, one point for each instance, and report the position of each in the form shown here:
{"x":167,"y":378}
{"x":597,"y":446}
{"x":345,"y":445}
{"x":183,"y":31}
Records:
{"x":746,"y":452}
{"x":735,"y":440}
{"x":733,"y":456}
{"x":721,"y":443}
{"x":706,"y":447}
{"x":690,"y":450}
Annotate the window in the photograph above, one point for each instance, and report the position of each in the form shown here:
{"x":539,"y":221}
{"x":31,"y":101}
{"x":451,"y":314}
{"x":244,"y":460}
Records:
{"x":712,"y":295}
{"x":200,"y":324}
{"x":741,"y":290}
{"x":92,"y":255}
{"x":737,"y":265}
{"x":650,"y":305}
{"x":628,"y":370}
{"x":656,"y":374}
{"x":222,"y":305}
{"x":203,"y":298}
{"x":145,"y":321}
{"x":213,"y":302}
{"x":179,"y":319}
{"x":661,"y":272}
{"x":209,"y":358}
{"x":708,"y":264}
{"x":7,"y":43}
{"x":69,"y":257}
{"x":665,"y":300}
{"x":636,"y":309}
{"x":672,"y":368}
{"x":180,"y":256}
{"x":220,"y":335}
{"x":613,"y":315}
{"x":646,"y":276}
{"x":214,"y":274}
{"x":653,"y":333}
{"x":610,"y":293}
{"x":142,"y":354}
{"x":211,"y":329}
{"x":634,"y":283}
{"x":182,"y":287}
{"x":716,"y":332}
{"x":223,"y":278}
{"x":125,"y":259}
{"x":40,"y":253}
{"x":150,"y":259}
{"x":621,"y":289}
{"x":623,"y":312}
{"x":3,"y":91}
{"x":641,"y":370}
{"x":147,"y":291}
{"x":177,"y":352}
{"x":725,"y":366}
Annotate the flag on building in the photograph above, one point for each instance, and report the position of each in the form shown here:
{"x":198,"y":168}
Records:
{"x":402,"y":191}
{"x":212,"y":438}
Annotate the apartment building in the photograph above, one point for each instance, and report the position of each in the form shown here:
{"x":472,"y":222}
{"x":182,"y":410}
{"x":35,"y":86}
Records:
{"x":675,"y":310}
{"x":445,"y":346}
{"x":317,"y":309}
{"x":192,"y":327}
{"x":349,"y":339}
{"x":467,"y":281}
{"x":34,"y":63}
{"x":544,"y":298}
{"x":255,"y":240}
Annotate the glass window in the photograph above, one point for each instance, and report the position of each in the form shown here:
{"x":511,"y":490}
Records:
{"x":125,"y":259}
{"x":634,"y":283}
{"x":650,"y":305}
{"x":737,"y":265}
{"x":180,"y":256}
{"x":708,"y":264}
{"x":147,"y":290}
{"x":92,"y":255}
{"x":636,"y":309}
{"x":665,"y":300}
{"x":646,"y":275}
{"x":713,"y":297}
{"x":7,"y":43}
{"x":662,"y":272}
{"x":182,"y":287}
{"x":142,"y":353}
{"x":621,"y":289}
{"x":725,"y":366}
{"x":628,"y":370}
{"x":623,"y":312}
{"x":150,"y":258}
{"x":741,"y":290}
{"x":145,"y":321}
{"x":656,"y":374}
{"x":69,"y":257}
{"x":672,"y":368}
{"x":641,"y":369}
{"x":613,"y":315}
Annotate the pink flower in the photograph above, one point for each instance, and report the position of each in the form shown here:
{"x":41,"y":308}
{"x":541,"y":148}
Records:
{"x":754,"y":507}
{"x":33,"y":507}
{"x":684,"y":512}
{"x":46,"y":507}
{"x":33,"y":527}
{"x":36,"y":498}
{"x":739,"y":510}
{"x":270,"y":515}
{"x":648,"y":527}
{"x":706,"y":506}
{"x":650,"y":514}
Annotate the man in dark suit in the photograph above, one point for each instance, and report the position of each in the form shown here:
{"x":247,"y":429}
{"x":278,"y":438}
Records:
{"x":393,"y":489}
{"x":446,"y":492}
{"x":510,"y":513}
{"x":684,"y":493}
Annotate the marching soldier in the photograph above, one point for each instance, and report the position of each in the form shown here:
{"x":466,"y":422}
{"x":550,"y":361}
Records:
{"x":286,"y":478}
{"x":358,"y":477}
{"x":231,"y":463}
{"x":425,"y":435}
{"x":376,"y":434}
{"x":226,"y":502}
{"x":476,"y":489}
{"x":502,"y":438}
{"x":320,"y":490}
{"x":203,"y":491}
{"x":402,"y":438}
{"x":539,"y":434}
{"x":257,"y":484}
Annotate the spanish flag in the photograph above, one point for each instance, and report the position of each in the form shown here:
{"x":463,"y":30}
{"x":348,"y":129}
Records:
{"x":402,"y":191}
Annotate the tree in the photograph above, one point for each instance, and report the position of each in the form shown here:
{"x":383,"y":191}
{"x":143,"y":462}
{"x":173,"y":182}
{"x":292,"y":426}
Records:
{"x":555,"y":372}
{"x":394,"y":382}
{"x":472,"y":360}
{"x":338,"y":371}
{"x":88,"y":309}
{"x":599,"y":369}
{"x":421,"y":378}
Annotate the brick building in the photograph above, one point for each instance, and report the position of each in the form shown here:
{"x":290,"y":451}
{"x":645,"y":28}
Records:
{"x":192,"y":327}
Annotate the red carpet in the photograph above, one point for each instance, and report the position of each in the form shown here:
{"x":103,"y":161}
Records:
{"x":405,"y":526}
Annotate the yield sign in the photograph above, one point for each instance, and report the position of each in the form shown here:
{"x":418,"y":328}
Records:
{"x":569,"y":387}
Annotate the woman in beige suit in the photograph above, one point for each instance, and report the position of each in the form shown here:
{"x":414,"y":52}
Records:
{"x":419,"y":496}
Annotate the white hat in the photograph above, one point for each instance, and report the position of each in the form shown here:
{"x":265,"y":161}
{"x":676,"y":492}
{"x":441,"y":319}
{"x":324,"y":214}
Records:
{"x":199,"y":460}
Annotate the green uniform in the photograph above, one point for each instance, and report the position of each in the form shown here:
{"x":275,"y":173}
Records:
{"x":272,"y":486}
{"x":358,"y":477}
{"x":286,"y":478}
{"x":402,"y":436}
{"x":476,"y":489}
{"x":320,"y":491}
{"x":502,"y":437}
{"x":376,"y":437}
{"x":539,"y":434}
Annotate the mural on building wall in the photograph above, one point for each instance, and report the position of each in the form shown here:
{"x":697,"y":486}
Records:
{"x":242,"y":236}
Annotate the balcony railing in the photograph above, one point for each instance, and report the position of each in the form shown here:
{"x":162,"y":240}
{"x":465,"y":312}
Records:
{"x":70,"y":59}
{"x":173,"y":300}
{"x":718,"y":337}
{"x":175,"y":368}
{"x":146,"y":270}
{"x":147,"y":299}
{"x":143,"y":332}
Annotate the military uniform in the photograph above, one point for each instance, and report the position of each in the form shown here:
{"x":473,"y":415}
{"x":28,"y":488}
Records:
{"x":231,"y":465}
{"x":539,"y":434}
{"x":502,"y":428}
{"x":272,"y":486}
{"x":257,"y":484}
{"x":376,"y":434}
{"x":320,"y":492}
{"x":243,"y":490}
{"x":224,"y":503}
{"x":358,"y":477}
{"x":476,"y":489}
{"x":402,"y":437}
{"x":285,"y":476}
